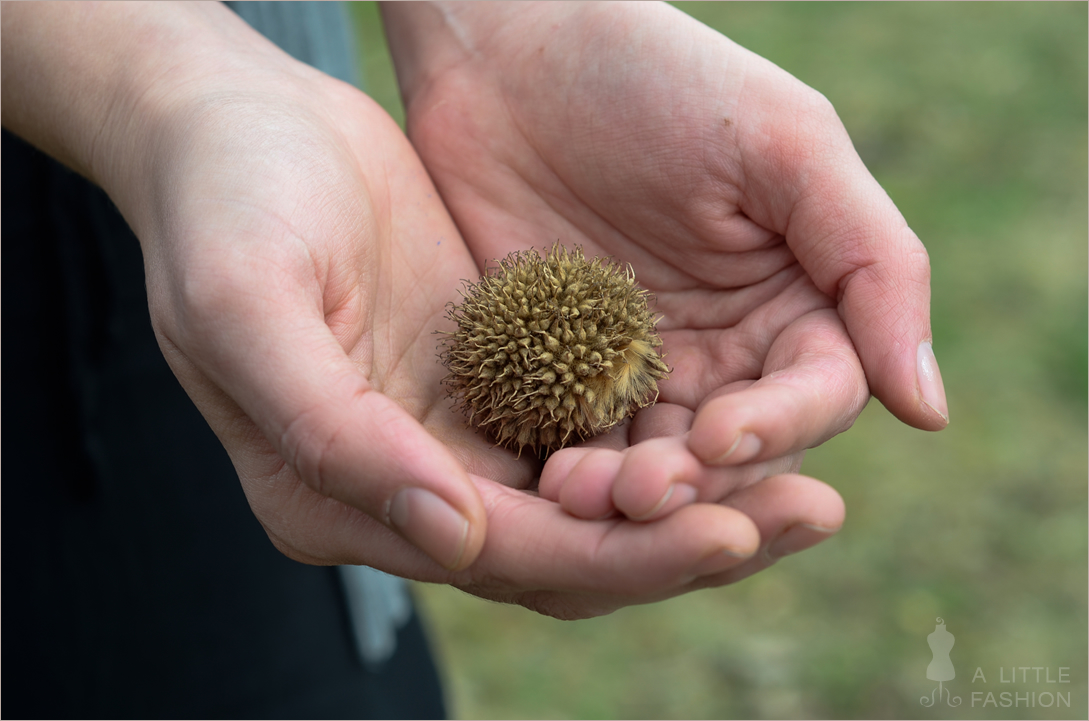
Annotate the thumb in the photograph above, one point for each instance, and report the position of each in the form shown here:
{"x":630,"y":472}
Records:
{"x":344,"y":439}
{"x":857,"y":247}
{"x":358,"y":446}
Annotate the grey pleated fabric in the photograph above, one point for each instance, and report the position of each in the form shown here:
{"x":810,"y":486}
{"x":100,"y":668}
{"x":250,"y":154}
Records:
{"x":317,"y":33}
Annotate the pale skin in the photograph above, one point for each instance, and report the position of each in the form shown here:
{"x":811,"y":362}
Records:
{"x":780,"y":267}
{"x":299,"y":259}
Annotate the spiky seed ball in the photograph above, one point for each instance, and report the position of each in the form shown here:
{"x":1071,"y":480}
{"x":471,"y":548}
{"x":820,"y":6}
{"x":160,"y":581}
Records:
{"x":551,"y":351}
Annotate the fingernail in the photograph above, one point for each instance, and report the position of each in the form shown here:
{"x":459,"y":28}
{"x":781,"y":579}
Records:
{"x":745,"y":447}
{"x":677,"y":495}
{"x":796,"y":538}
{"x":719,"y":561}
{"x":431,"y":524}
{"x":930,"y":380}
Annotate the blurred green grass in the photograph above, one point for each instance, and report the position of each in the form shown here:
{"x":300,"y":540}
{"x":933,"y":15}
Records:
{"x":973,"y":116}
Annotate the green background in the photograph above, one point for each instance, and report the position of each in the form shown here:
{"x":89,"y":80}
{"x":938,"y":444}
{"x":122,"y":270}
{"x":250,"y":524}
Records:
{"x":974,"y":119}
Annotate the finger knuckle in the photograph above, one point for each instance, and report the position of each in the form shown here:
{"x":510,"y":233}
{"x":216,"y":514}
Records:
{"x":311,"y":443}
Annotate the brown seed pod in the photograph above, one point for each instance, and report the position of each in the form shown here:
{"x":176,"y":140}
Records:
{"x":551,"y":351}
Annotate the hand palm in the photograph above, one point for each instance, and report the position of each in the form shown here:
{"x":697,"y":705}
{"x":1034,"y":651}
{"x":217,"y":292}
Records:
{"x":617,"y":157}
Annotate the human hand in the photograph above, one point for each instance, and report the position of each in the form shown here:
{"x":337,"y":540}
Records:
{"x":781,"y":268}
{"x":306,"y":340}
{"x":297,"y":262}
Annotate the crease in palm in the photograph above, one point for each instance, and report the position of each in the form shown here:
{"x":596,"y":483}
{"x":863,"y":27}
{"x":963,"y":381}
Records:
{"x":515,"y":176}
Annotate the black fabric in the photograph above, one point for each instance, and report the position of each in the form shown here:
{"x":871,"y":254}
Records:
{"x":137,"y":581}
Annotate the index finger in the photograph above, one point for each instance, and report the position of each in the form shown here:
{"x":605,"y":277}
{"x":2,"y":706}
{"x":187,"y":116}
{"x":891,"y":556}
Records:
{"x":811,"y":389}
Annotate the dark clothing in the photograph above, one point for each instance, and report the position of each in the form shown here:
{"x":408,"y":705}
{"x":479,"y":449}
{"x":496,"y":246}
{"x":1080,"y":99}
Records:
{"x":138,"y":582}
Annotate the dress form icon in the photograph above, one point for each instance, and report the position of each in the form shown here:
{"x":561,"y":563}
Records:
{"x":941,"y":666}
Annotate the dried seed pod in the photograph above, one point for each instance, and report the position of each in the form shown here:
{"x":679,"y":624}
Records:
{"x":551,"y":351}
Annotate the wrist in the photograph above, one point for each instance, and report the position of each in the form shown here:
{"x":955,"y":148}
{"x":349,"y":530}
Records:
{"x":98,"y":86}
{"x":428,"y":38}
{"x":70,"y":69}
{"x":534,"y":44}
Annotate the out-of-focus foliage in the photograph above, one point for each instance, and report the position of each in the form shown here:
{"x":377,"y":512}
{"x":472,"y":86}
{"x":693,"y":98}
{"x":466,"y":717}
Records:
{"x":973,"y":116}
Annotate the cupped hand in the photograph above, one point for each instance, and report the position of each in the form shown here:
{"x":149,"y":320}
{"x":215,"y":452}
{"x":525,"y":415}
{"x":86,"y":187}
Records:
{"x":787,"y":282}
{"x":298,"y":262}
